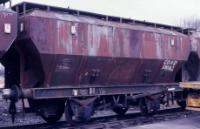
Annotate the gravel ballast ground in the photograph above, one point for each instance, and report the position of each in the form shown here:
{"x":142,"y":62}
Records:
{"x":21,"y":117}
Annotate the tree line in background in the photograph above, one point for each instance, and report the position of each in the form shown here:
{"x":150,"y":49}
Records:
{"x":192,"y":22}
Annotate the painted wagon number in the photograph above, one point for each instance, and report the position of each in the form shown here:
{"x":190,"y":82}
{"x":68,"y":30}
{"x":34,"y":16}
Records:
{"x":169,"y":65}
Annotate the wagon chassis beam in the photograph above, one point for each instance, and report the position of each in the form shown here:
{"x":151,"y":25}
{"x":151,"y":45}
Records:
{"x":88,"y":91}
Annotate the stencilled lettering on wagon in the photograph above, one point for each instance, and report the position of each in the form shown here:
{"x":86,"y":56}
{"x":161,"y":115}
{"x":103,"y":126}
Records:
{"x":169,"y":65}
{"x":64,"y":64}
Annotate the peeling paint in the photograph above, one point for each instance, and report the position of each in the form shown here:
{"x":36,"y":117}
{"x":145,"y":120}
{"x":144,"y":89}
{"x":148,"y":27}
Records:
{"x":6,"y":39}
{"x":122,"y":53}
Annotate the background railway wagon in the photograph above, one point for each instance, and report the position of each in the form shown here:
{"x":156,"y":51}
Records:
{"x":8,"y":34}
{"x":193,"y":94}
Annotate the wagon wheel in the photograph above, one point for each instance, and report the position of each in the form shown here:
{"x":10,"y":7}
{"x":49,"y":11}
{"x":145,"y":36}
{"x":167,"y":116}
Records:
{"x":52,"y":117}
{"x":120,"y":110}
{"x":50,"y":110}
{"x":182,"y":104}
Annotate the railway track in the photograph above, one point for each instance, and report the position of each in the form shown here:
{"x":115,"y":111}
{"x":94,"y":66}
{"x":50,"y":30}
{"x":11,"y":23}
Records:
{"x":113,"y":121}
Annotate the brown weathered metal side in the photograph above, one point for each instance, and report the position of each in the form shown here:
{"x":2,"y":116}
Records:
{"x":8,"y":29}
{"x":60,"y":49}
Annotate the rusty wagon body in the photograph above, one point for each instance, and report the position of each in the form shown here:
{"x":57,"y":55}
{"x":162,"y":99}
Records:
{"x":8,"y":32}
{"x":85,"y":49}
{"x":67,"y":58}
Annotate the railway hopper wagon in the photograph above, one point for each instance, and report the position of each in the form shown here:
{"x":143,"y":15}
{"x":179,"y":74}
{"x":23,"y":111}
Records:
{"x":77,"y":62}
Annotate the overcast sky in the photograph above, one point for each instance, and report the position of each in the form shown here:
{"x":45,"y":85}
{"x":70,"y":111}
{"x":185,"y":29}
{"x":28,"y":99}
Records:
{"x":160,"y":11}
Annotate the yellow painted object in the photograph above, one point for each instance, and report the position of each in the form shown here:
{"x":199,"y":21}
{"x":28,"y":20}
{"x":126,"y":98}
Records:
{"x":190,"y":85}
{"x":193,"y":101}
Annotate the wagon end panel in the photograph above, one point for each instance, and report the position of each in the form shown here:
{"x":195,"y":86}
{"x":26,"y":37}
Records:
{"x":8,"y":29}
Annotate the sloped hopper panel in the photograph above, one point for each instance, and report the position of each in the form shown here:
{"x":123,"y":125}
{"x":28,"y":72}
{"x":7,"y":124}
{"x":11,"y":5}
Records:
{"x":8,"y":29}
